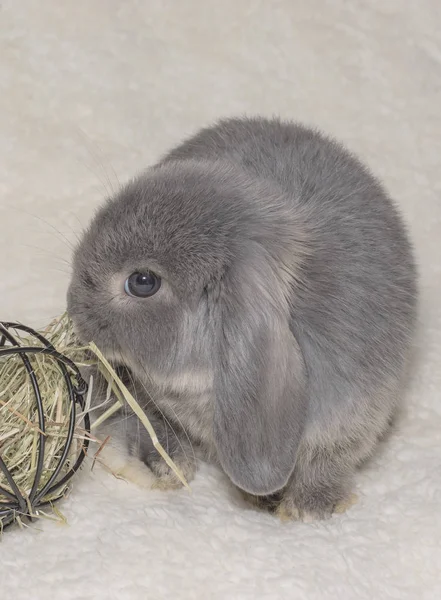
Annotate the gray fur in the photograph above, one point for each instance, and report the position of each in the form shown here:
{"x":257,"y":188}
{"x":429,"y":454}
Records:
{"x":279,"y":338}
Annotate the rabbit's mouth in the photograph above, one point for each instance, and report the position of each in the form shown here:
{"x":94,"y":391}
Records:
{"x":122,"y":365}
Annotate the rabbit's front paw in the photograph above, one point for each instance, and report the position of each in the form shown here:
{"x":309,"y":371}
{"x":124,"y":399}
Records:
{"x":166,"y":479}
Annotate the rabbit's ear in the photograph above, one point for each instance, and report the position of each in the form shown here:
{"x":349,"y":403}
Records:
{"x":259,"y":380}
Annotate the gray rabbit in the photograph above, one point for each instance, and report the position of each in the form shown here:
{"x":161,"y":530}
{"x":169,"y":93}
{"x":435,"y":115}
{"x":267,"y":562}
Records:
{"x":258,"y":287}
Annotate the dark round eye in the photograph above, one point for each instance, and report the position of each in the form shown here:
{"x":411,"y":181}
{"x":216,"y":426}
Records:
{"x":142,"y":285}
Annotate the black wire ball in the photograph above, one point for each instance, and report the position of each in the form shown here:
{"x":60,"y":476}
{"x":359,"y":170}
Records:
{"x":15,"y":502}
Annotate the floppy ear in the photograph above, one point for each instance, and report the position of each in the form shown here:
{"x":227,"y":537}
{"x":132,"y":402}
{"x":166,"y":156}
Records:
{"x":259,"y":380}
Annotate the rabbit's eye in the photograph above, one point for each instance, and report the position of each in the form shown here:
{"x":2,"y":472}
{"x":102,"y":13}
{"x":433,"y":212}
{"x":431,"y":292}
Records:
{"x":142,"y":285}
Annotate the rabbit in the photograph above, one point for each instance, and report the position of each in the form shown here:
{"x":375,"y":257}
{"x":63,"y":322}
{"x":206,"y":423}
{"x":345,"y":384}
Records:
{"x":259,"y":288}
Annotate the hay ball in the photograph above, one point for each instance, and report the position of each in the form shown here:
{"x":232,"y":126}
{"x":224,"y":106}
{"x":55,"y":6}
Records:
{"x":44,"y":428}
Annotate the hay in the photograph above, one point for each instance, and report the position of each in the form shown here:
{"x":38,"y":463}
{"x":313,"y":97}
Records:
{"x":19,"y":423}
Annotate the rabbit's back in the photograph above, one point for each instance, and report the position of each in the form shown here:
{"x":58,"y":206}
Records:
{"x":298,"y":158}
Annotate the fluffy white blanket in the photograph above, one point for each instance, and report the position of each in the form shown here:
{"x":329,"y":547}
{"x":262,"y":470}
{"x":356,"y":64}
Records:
{"x":93,"y":91}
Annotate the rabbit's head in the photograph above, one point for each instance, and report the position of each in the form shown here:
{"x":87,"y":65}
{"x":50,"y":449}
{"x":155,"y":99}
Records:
{"x":190,"y":269}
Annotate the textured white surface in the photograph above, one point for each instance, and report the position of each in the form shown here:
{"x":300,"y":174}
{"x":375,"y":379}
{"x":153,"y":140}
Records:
{"x":91,"y":89}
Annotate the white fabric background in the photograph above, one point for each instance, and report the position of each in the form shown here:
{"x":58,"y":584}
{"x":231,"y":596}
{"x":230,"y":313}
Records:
{"x":91,"y":91}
